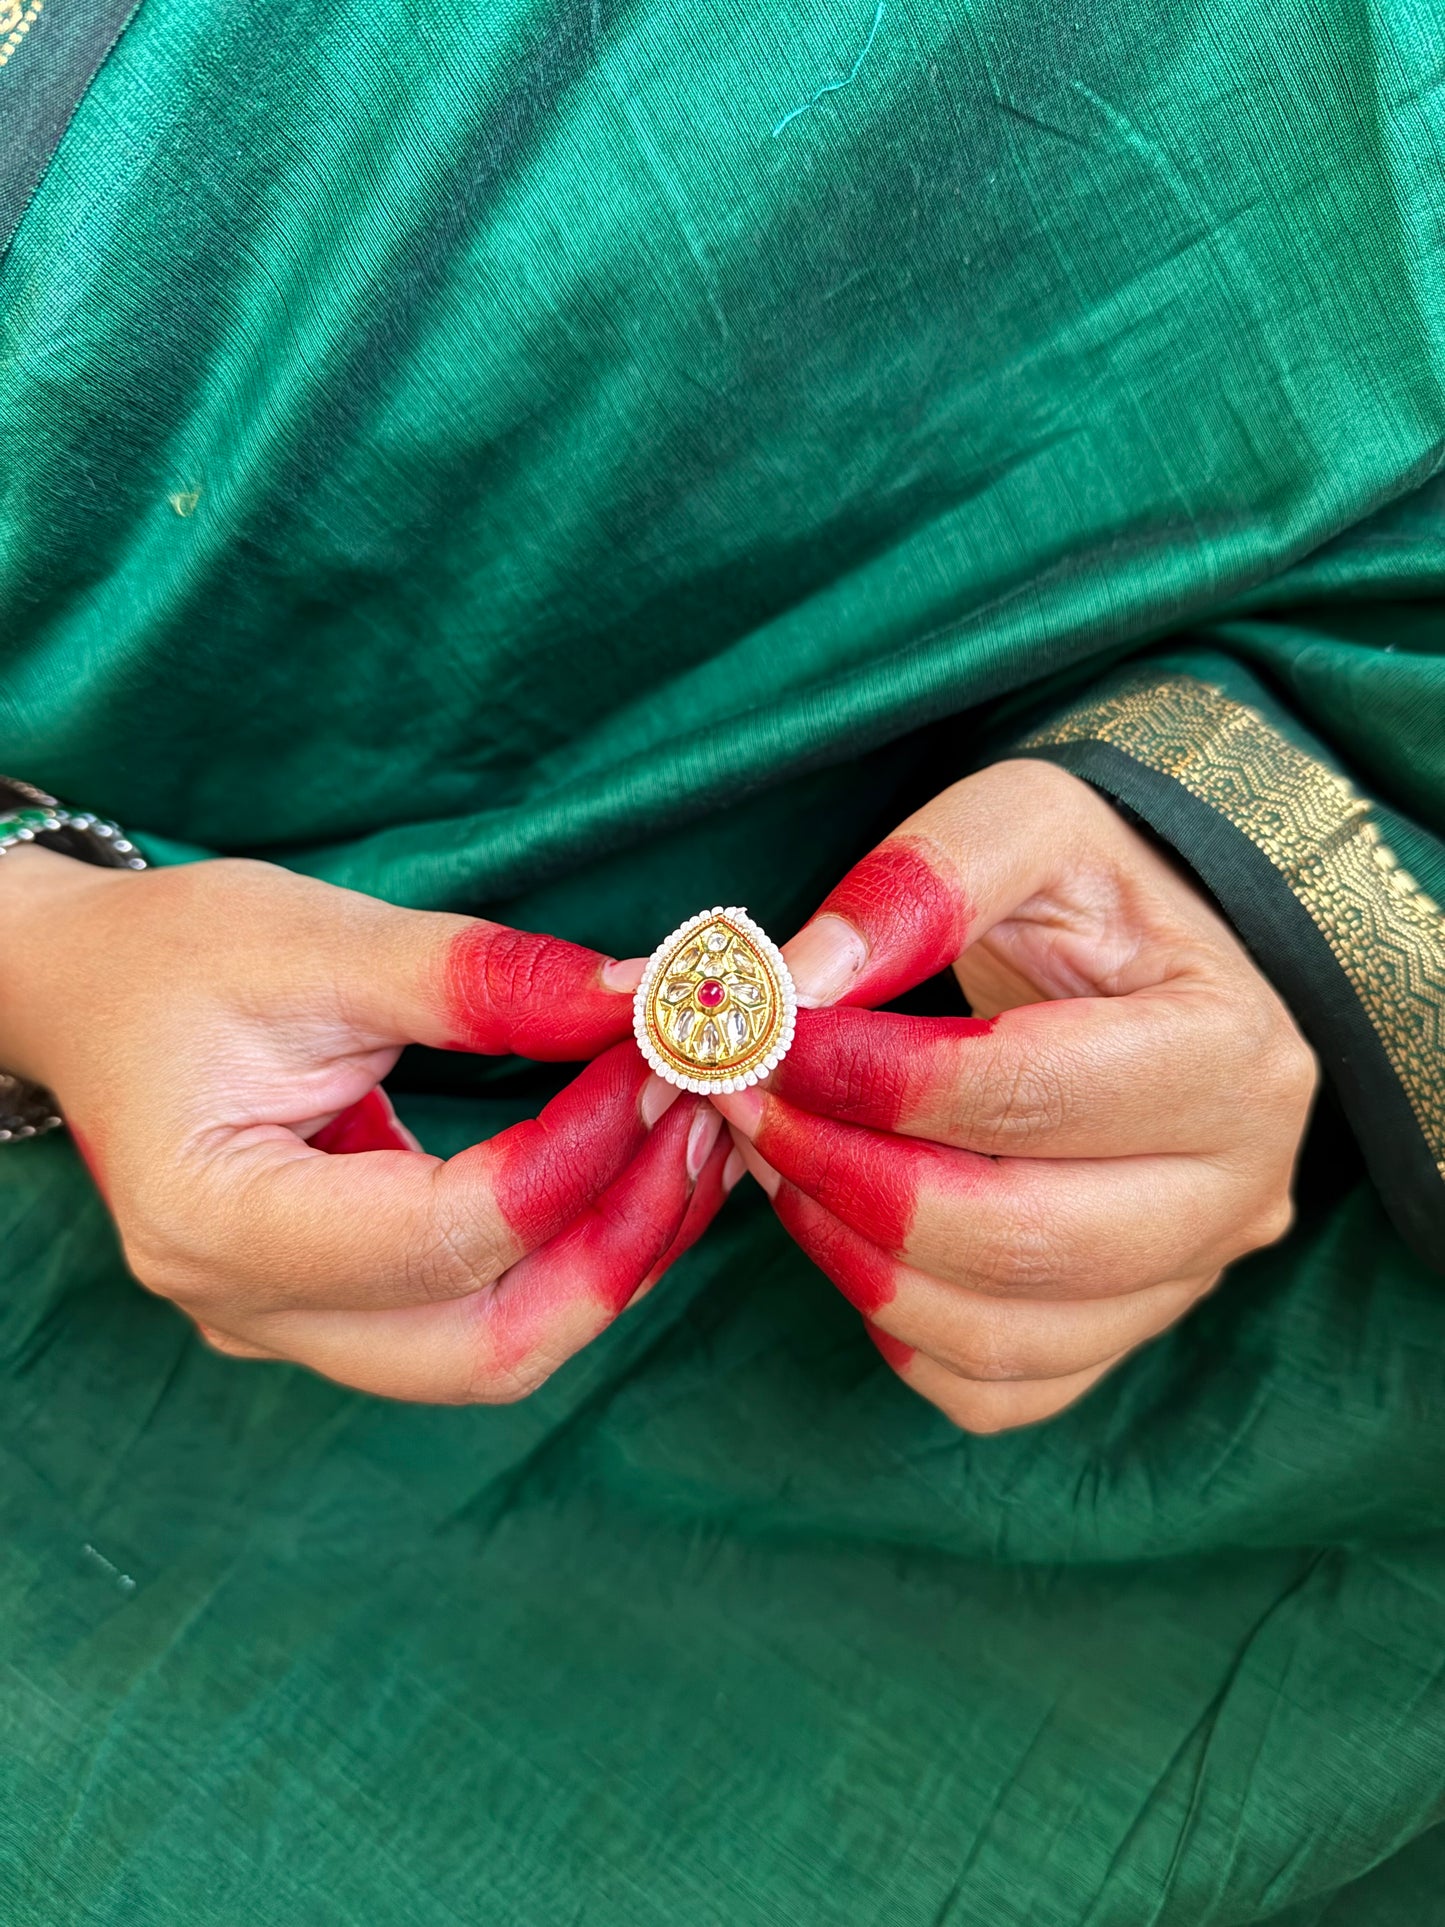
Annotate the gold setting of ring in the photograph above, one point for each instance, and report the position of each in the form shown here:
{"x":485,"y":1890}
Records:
{"x":716,"y":1009}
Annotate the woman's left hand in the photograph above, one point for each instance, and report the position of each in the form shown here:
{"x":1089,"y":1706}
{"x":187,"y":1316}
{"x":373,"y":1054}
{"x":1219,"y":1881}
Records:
{"x":1017,"y":1200}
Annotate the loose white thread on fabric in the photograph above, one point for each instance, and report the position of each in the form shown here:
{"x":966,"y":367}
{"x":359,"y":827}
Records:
{"x":122,"y":1579}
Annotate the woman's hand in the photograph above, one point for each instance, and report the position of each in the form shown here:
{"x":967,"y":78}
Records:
{"x":1018,"y":1199}
{"x":199,"y":1025}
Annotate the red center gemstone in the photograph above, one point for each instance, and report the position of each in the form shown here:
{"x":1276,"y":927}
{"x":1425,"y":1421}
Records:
{"x":710,"y":994}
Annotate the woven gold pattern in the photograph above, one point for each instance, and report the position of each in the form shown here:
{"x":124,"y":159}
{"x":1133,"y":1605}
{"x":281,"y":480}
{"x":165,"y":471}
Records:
{"x":1387,"y":935}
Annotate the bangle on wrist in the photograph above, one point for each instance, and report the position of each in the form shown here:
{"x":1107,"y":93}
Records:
{"x":26,"y":1110}
{"x":30,"y":815}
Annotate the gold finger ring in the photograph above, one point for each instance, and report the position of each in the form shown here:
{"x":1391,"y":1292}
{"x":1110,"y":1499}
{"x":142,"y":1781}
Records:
{"x":716,"y":1008}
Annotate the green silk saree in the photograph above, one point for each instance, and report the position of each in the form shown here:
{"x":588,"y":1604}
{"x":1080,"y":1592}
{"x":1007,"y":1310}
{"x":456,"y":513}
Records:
{"x":586,"y":459}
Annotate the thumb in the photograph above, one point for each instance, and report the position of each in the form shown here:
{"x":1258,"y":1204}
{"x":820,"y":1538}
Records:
{"x":912,"y":906}
{"x":463,"y":983}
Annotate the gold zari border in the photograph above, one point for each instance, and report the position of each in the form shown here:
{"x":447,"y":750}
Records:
{"x":1386,"y":934}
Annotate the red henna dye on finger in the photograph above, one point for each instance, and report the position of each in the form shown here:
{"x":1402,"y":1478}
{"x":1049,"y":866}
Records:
{"x":870,"y":1179}
{"x":86,"y":1147}
{"x":638,"y":1217}
{"x":863,"y":1177}
{"x":706,"y":1201}
{"x":602,"y":1256}
{"x":869,"y":1067}
{"x":546,"y":1169}
{"x":909,"y":906}
{"x":895,"y":1353}
{"x":513,"y":990}
{"x":866,"y":1276}
{"x":370,"y":1124}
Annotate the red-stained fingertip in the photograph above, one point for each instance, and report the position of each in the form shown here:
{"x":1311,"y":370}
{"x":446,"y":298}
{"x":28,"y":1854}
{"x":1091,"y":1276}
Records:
{"x":561,"y":1295}
{"x":873,"y":1067}
{"x":908,"y":908}
{"x":514,"y":990}
{"x":866,"y":1276}
{"x":706,"y":1201}
{"x":548,"y":1168}
{"x":754,"y":1165}
{"x":370,"y":1124}
{"x":84,"y":1144}
{"x":867,"y":1178}
{"x":895,"y":1353}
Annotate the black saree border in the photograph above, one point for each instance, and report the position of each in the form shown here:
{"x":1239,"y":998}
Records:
{"x":1295,"y":860}
{"x":50,"y":51}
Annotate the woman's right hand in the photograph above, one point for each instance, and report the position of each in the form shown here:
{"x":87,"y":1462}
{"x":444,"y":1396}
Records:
{"x":212,"y":1032}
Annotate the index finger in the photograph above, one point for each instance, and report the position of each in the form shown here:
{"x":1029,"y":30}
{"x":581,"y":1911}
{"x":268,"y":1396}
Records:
{"x":1043,"y":1227}
{"x":899,"y":916}
{"x":282,"y":1223}
{"x":1076,"y":1077}
{"x":451,"y":982}
{"x":503,"y":1341}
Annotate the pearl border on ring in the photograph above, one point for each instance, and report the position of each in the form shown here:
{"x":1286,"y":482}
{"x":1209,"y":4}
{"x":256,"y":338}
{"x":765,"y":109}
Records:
{"x":702,"y":1083}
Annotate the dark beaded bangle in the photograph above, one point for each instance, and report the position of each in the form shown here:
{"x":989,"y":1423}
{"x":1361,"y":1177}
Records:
{"x":26,"y":1110}
{"x":29,"y":815}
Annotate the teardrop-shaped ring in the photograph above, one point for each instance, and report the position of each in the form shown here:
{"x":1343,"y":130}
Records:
{"x":716,"y":1008}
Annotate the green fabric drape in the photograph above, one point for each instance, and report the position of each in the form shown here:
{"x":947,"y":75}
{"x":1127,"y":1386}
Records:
{"x":508,"y":458}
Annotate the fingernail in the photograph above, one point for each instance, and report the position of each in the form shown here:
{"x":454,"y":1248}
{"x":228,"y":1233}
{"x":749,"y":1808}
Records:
{"x":624,"y":976}
{"x":766,"y":1176}
{"x":733,"y":1170}
{"x":706,"y":1129}
{"x":824,"y":959}
{"x":658,"y":1097}
{"x":744,"y":1109}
